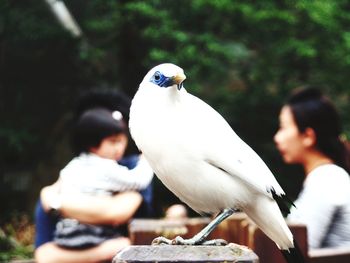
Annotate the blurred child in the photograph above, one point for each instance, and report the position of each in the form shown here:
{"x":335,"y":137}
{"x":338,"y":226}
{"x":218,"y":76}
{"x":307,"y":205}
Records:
{"x":100,"y":139}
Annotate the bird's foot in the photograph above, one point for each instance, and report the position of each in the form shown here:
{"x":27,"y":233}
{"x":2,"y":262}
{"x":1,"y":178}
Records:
{"x":161,"y":241}
{"x":215,"y":242}
{"x":190,"y":242}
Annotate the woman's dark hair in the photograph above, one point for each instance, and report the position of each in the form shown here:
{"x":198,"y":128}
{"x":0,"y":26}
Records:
{"x":93,"y":126}
{"x":312,"y":109}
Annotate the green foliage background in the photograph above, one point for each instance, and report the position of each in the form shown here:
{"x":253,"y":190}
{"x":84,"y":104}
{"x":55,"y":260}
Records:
{"x":242,"y":57}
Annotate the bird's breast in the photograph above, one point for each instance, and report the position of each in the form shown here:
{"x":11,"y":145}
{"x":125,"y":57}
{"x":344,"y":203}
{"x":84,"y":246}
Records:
{"x":154,"y":123}
{"x":170,"y":136}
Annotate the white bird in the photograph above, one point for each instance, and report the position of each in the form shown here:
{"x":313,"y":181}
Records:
{"x":197,"y":155}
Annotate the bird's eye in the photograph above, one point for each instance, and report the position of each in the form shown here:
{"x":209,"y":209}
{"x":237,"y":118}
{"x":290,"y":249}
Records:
{"x":160,"y":80}
{"x":157,"y":76}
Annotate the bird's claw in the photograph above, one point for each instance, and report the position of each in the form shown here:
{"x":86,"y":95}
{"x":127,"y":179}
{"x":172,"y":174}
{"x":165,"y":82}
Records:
{"x":190,"y":242}
{"x":161,"y":241}
{"x":176,"y":241}
{"x":215,"y":242}
{"x":181,"y":241}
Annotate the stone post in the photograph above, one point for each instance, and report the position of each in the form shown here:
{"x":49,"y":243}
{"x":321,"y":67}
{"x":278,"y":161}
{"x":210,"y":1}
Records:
{"x":232,"y":253}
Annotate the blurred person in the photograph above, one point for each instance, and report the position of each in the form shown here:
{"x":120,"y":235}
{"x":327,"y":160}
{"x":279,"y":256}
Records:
{"x":114,"y":210}
{"x":110,"y":210}
{"x":176,"y":211}
{"x":100,"y":140}
{"x":310,"y":135}
{"x":116,"y":100}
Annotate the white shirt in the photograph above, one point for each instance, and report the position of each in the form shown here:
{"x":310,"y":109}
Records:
{"x":89,"y":173}
{"x":324,"y":206}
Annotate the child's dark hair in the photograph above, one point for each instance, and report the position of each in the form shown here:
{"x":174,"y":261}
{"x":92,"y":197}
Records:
{"x":111,"y":99}
{"x":312,"y":109}
{"x":93,"y":126}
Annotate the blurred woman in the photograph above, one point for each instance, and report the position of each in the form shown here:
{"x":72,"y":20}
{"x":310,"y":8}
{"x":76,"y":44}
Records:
{"x":309,"y":135}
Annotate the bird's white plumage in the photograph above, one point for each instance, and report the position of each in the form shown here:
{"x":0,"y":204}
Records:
{"x":197,"y":155}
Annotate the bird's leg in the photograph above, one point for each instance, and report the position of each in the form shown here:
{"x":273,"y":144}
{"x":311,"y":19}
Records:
{"x":204,"y":233}
{"x":199,"y":239}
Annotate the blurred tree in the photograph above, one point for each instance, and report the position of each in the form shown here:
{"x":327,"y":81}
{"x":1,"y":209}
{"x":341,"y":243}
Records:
{"x":243,"y":57}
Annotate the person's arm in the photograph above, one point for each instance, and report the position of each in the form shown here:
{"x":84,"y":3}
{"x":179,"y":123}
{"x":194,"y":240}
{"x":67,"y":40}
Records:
{"x":113,"y":210}
{"x":50,"y":252}
{"x":123,"y":178}
{"x":176,"y":211}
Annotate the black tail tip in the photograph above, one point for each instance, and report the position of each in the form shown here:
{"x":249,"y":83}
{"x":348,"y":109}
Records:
{"x":293,"y":255}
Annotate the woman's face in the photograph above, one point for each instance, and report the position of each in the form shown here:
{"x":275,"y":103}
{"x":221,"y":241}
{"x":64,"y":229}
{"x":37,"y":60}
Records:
{"x":288,"y":139}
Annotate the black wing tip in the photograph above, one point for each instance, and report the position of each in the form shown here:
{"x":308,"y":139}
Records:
{"x":282,"y":201}
{"x":293,"y":255}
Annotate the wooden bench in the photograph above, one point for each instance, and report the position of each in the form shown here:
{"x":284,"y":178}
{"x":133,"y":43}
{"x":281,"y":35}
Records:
{"x":236,"y":229}
{"x":328,"y":255}
{"x":143,"y":231}
{"x":267,"y":250}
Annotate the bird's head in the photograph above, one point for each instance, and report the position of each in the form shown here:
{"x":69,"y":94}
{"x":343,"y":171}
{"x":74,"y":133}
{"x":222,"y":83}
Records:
{"x":165,"y":76}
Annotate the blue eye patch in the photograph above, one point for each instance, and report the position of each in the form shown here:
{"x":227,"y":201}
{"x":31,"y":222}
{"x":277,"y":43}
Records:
{"x":159,"y":79}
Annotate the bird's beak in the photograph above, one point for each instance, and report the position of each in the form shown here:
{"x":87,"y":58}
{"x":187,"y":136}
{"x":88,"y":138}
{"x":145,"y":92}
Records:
{"x":179,"y":79}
